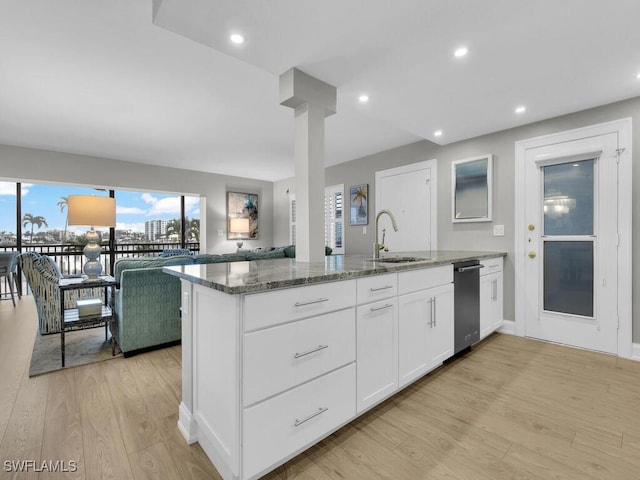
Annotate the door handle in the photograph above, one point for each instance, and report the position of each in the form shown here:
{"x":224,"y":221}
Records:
{"x":472,"y":267}
{"x":532,"y":254}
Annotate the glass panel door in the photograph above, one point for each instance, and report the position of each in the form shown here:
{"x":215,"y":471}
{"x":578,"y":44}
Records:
{"x":568,"y":241}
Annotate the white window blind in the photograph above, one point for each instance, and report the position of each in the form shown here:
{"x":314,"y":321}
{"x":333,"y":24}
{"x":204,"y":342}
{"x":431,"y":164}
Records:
{"x":333,"y":218}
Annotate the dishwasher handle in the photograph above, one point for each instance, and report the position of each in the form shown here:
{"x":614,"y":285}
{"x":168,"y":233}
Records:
{"x":472,"y":267}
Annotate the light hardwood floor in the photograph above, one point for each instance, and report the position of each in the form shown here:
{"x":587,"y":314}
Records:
{"x":511,"y":409}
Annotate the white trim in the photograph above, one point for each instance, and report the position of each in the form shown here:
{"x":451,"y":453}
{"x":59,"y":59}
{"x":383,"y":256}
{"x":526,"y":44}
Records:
{"x":636,"y":352}
{"x":433,"y":165}
{"x":562,"y":159}
{"x":508,"y":327}
{"x":623,"y":128}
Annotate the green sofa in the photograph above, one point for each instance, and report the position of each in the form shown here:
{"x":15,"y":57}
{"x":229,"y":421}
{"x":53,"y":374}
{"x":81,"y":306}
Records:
{"x":148,"y":301}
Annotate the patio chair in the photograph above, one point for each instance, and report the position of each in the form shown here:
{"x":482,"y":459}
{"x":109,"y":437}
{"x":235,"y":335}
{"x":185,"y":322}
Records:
{"x":8,"y":265}
{"x":43,"y":276}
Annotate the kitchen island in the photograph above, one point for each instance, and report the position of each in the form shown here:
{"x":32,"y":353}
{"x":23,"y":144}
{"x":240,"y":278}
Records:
{"x":276,"y":354}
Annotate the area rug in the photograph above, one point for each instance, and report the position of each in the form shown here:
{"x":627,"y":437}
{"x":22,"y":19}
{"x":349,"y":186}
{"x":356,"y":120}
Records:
{"x":81,"y":348}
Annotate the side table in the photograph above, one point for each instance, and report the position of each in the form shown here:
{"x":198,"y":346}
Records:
{"x":70,"y":318}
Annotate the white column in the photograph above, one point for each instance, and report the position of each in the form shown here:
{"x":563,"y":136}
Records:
{"x":312,"y":100}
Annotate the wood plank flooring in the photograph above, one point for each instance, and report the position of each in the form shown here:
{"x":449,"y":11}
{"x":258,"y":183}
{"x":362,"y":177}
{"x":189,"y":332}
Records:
{"x":512,"y":408}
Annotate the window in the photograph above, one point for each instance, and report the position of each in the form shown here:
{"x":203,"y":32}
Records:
{"x":150,"y":217}
{"x":333,"y":218}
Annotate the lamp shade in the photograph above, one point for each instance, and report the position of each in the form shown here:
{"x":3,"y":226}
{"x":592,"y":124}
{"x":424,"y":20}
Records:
{"x":238,"y":225}
{"x":91,"y":210}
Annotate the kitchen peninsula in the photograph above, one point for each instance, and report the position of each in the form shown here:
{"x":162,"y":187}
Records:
{"x":276,"y":354}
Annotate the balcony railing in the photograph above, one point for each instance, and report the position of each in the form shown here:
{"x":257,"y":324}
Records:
{"x":71,"y":259}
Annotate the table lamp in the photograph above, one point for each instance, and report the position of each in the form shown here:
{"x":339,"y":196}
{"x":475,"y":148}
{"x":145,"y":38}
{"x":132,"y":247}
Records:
{"x":239,"y":226}
{"x":92,"y":211}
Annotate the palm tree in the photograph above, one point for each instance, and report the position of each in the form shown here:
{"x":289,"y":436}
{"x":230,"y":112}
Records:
{"x":37,"y":220}
{"x":174,"y":227}
{"x":194,"y":228}
{"x":63,"y":204}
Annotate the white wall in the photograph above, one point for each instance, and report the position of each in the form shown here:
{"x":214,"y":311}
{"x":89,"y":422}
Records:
{"x":28,"y":164}
{"x":479,"y":236}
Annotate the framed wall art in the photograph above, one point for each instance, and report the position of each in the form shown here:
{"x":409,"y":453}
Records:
{"x":358,"y":203}
{"x":240,"y":208}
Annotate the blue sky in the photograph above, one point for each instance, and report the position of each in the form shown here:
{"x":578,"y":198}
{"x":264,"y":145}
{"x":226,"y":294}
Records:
{"x":133,"y":208}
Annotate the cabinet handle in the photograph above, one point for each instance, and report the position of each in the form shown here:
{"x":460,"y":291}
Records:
{"x":320,"y":411}
{"x":381,"y":288}
{"x":494,"y":284}
{"x":435,"y":312}
{"x":431,"y":325}
{"x":375,"y":309}
{"x":309,"y":352}
{"x":311,"y":302}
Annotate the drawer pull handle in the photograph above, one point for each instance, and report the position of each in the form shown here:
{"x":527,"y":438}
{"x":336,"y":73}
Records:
{"x":309,"y":352}
{"x":320,"y":411}
{"x":311,"y":302}
{"x":375,"y":309}
{"x":381,"y":288}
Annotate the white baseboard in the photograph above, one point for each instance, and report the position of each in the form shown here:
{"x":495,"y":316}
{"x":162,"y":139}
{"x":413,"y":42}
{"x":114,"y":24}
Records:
{"x":508,"y":327}
{"x":187,"y":425}
{"x":635,"y":352}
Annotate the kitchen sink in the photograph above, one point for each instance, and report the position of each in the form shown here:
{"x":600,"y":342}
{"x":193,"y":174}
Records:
{"x":399,"y":259}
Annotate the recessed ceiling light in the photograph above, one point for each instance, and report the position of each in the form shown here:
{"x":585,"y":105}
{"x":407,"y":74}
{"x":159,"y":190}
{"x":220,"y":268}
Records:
{"x":521,"y":109}
{"x":638,"y":76}
{"x":461,"y":51}
{"x":363,"y":98}
{"x":437,"y":133}
{"x":237,"y":38}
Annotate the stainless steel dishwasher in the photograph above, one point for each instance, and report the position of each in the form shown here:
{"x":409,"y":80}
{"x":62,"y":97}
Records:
{"x":466,"y":288}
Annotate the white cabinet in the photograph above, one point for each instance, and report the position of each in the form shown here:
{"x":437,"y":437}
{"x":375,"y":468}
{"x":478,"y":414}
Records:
{"x":280,"y":357}
{"x":491,"y":287}
{"x":266,"y":375}
{"x":425,"y":330}
{"x":441,"y":333}
{"x":377,"y":352}
{"x":280,"y":426}
{"x":414,"y":310}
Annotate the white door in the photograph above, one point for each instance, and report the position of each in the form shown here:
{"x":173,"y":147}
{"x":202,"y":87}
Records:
{"x":409,"y":194}
{"x":571,"y":268}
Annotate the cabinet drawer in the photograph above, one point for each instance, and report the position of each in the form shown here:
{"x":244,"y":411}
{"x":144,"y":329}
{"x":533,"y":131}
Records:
{"x":280,"y":426}
{"x":414,"y":280}
{"x":491,"y":265}
{"x":377,"y":287}
{"x":282,"y":357}
{"x":266,"y":309}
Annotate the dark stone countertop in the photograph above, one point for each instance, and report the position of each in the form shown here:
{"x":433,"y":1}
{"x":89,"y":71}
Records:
{"x":262,"y":275}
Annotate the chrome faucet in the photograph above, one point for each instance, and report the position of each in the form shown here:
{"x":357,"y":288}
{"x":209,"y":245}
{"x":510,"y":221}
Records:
{"x":381,"y":246}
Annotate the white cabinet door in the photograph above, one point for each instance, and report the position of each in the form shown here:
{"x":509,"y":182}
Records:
{"x":486,"y":305}
{"x":491,"y":309}
{"x":414,"y":318}
{"x":441,"y":332}
{"x":377,"y":351}
{"x":498,"y":312}
{"x":425,"y":331}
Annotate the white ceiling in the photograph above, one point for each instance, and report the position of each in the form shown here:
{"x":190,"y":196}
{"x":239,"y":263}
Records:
{"x":100,"y":78}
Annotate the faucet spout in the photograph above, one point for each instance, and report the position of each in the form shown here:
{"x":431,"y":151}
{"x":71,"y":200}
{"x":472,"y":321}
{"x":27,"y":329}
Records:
{"x":380,"y":246}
